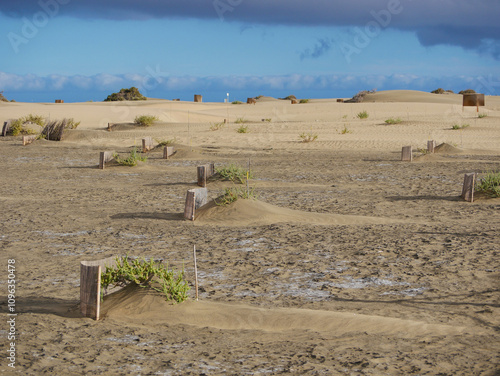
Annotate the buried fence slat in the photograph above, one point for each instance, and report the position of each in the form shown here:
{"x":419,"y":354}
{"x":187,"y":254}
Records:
{"x":195,"y":199}
{"x":104,"y":157}
{"x":28,"y":140}
{"x":468,"y":187}
{"x":6,"y":128}
{"x":168,"y":151}
{"x":147,"y":144}
{"x":406,"y":154}
{"x":90,"y":286}
{"x":431,"y":145}
{"x":202,"y":175}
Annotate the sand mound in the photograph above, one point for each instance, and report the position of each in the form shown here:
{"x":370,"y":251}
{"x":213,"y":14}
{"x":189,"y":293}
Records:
{"x":445,"y":148}
{"x":255,"y":212}
{"x":413,"y":96}
{"x":135,"y":304}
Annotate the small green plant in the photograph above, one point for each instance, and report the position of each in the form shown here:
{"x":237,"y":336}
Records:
{"x":132,"y":159}
{"x":308,"y":137}
{"x":232,"y":194}
{"x":243,"y":129}
{"x":241,"y":120}
{"x":162,"y":142}
{"x":268,"y":120}
{"x":233,"y":172}
{"x":344,"y":117}
{"x":216,"y":126}
{"x":146,"y":274}
{"x":34,"y":119}
{"x":236,"y":102}
{"x":456,"y":126}
{"x":304,"y":101}
{"x":393,"y":121}
{"x":345,"y":130}
{"x":72,"y":124}
{"x":145,"y":120}
{"x":482,"y":115}
{"x":423,"y":150}
{"x":490,"y":184}
{"x":363,"y":115}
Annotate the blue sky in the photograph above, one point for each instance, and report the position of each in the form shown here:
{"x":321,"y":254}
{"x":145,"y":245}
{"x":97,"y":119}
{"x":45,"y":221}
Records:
{"x":82,"y":50}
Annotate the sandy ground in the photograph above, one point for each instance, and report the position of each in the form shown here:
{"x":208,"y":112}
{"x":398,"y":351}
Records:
{"x":350,"y":262}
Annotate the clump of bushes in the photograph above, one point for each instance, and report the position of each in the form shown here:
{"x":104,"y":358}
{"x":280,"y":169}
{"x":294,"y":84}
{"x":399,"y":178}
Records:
{"x":304,"y":101}
{"x":230,"y":195}
{"x":233,"y":172}
{"x":490,"y":184}
{"x":146,"y":274}
{"x":360,"y":96}
{"x":216,"y":126}
{"x":131,"y":160}
{"x":456,"y":126}
{"x":243,"y":129}
{"x":363,"y":115}
{"x":18,"y":126}
{"x":236,"y":102}
{"x":131,"y":94}
{"x":393,"y":121}
{"x":442,"y":91}
{"x":467,"y":91}
{"x":308,"y":137}
{"x":145,"y":120}
{"x":54,"y":129}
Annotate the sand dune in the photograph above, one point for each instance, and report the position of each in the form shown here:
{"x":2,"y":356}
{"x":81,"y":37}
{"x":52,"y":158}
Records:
{"x":257,"y":213}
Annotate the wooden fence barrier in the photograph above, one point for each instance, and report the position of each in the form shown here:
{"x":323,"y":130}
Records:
{"x":147,"y":144}
{"x":468,"y":187}
{"x":90,"y":286}
{"x":6,"y":128}
{"x":204,"y":173}
{"x":28,"y":140}
{"x":406,"y":154}
{"x":431,"y":145}
{"x":168,"y":151}
{"x":195,"y":199}
{"x":105,"y":157}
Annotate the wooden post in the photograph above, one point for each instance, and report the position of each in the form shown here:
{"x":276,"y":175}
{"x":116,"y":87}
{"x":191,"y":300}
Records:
{"x":195,"y":272}
{"x":168,"y":151}
{"x":406,"y":154}
{"x":28,"y":140}
{"x":147,"y":144}
{"x":104,"y":157}
{"x":6,"y":128}
{"x":211,"y":169}
{"x":195,"y":198}
{"x":109,"y":127}
{"x":431,"y":145}
{"x":202,"y":175}
{"x":468,"y":187}
{"x":90,"y":286}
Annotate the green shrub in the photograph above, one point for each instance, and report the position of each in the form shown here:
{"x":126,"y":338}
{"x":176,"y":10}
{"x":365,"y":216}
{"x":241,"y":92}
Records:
{"x":345,"y":130}
{"x":438,"y":91}
{"x":304,"y":101}
{"x":146,"y":274}
{"x":162,"y":142}
{"x":363,"y":115}
{"x":233,"y":172}
{"x":72,"y":124}
{"x":216,"y":126}
{"x":131,"y":94}
{"x":482,"y":115}
{"x":467,"y":91}
{"x":456,"y":126}
{"x":243,"y":129}
{"x":490,"y":184}
{"x":132,"y":159}
{"x":308,"y":137}
{"x":393,"y":121}
{"x":236,"y":102}
{"x":145,"y":120}
{"x":241,"y":120}
{"x":232,"y":194}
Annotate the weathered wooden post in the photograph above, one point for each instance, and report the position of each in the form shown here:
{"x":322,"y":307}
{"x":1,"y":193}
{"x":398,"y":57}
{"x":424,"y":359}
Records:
{"x":406,"y":154}
{"x":197,"y":98}
{"x":90,"y":286}
{"x":109,"y":127}
{"x":195,"y":199}
{"x":473,"y":100}
{"x":28,"y":140}
{"x":431,"y":145}
{"x":202,"y":175}
{"x":104,"y":157}
{"x":147,"y":144}
{"x":468,"y":187}
{"x":6,"y":128}
{"x":168,"y":151}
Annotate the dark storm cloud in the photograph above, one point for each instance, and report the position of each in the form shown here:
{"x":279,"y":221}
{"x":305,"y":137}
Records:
{"x":465,"y":23}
